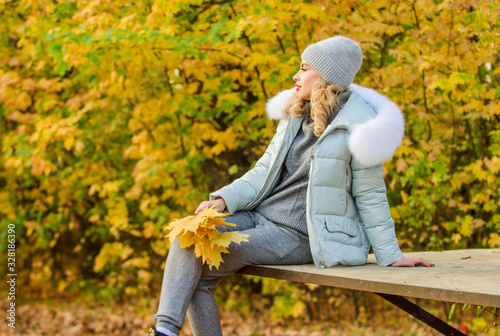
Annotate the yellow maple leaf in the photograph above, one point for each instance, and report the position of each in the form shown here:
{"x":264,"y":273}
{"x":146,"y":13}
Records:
{"x":227,"y":238}
{"x":188,"y":239}
{"x":200,"y":247}
{"x":203,"y":218}
{"x":209,"y":222}
{"x":175,"y":230}
{"x":212,"y":255}
{"x":210,"y":234}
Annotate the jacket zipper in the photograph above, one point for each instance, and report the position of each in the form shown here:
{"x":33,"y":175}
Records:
{"x":346,"y":187}
{"x":313,"y":231}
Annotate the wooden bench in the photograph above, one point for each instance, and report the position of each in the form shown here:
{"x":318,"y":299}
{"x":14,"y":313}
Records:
{"x":461,"y":276}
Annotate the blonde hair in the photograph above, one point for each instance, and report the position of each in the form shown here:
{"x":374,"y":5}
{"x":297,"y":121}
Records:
{"x":325,"y":98}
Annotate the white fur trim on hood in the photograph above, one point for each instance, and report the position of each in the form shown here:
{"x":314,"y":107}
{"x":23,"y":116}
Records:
{"x":373,"y":142}
{"x":276,"y":104}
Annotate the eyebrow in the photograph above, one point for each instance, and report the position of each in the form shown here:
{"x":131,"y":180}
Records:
{"x":304,"y":64}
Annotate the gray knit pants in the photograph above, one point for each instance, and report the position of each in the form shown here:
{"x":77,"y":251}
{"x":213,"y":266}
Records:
{"x":187,"y":281}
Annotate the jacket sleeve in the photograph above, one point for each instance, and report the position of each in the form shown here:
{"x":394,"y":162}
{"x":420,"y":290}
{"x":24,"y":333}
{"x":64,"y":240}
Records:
{"x":370,"y":193}
{"x":243,"y":191}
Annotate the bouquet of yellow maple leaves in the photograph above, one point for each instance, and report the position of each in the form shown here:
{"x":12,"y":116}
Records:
{"x":201,"y":231}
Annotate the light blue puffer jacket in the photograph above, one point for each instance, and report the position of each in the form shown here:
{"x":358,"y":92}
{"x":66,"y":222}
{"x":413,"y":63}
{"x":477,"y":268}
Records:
{"x":347,"y":208}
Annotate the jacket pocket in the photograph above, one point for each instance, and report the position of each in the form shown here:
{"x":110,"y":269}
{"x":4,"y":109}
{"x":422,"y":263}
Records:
{"x":337,"y":224}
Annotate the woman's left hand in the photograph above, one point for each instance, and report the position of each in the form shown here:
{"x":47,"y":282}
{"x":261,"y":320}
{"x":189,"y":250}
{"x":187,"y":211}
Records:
{"x":412,"y":262}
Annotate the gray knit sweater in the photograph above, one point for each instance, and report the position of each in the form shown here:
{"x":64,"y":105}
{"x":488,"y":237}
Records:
{"x":286,"y":205}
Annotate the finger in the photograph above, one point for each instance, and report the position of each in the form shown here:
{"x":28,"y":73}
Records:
{"x":423,"y":262}
{"x":202,"y":206}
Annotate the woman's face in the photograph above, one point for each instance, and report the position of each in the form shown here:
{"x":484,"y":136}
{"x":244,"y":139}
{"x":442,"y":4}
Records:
{"x":304,"y":80}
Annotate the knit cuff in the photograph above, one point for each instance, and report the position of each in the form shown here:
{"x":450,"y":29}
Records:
{"x":168,"y":326}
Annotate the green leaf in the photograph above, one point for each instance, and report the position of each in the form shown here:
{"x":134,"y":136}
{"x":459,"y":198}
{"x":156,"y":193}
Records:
{"x":62,"y":68}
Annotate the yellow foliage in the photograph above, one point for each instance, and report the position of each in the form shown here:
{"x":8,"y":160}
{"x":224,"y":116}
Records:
{"x":116,"y":119}
{"x":298,"y":309}
{"x":494,"y":240}
{"x":111,"y":251}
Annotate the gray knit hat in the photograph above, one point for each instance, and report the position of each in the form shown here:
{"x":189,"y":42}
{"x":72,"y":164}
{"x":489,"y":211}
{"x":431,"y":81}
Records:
{"x":337,"y":59}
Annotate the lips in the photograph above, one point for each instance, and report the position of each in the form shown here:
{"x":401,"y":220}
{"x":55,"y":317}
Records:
{"x":297,"y":87}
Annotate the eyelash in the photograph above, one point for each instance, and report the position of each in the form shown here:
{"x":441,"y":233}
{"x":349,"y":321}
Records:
{"x":303,"y":69}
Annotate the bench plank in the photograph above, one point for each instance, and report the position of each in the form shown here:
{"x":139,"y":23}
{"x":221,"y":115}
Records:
{"x":465,"y":276}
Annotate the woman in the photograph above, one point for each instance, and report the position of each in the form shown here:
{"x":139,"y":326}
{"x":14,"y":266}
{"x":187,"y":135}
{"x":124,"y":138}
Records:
{"x":316,"y":195}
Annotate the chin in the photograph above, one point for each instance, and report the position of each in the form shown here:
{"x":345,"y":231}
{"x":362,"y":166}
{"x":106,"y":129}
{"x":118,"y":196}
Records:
{"x":303,"y":97}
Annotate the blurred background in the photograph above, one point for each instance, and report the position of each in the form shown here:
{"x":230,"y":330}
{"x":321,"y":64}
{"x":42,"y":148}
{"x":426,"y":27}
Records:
{"x":117,"y":117}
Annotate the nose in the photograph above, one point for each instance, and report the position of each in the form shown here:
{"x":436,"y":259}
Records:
{"x":296,"y":77}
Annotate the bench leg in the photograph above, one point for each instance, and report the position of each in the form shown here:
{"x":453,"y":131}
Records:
{"x":421,"y":314}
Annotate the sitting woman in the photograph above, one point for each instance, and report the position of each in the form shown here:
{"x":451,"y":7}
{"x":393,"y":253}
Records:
{"x":316,"y":195}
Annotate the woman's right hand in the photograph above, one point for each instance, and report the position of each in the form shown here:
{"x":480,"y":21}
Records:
{"x":219,"y":204}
